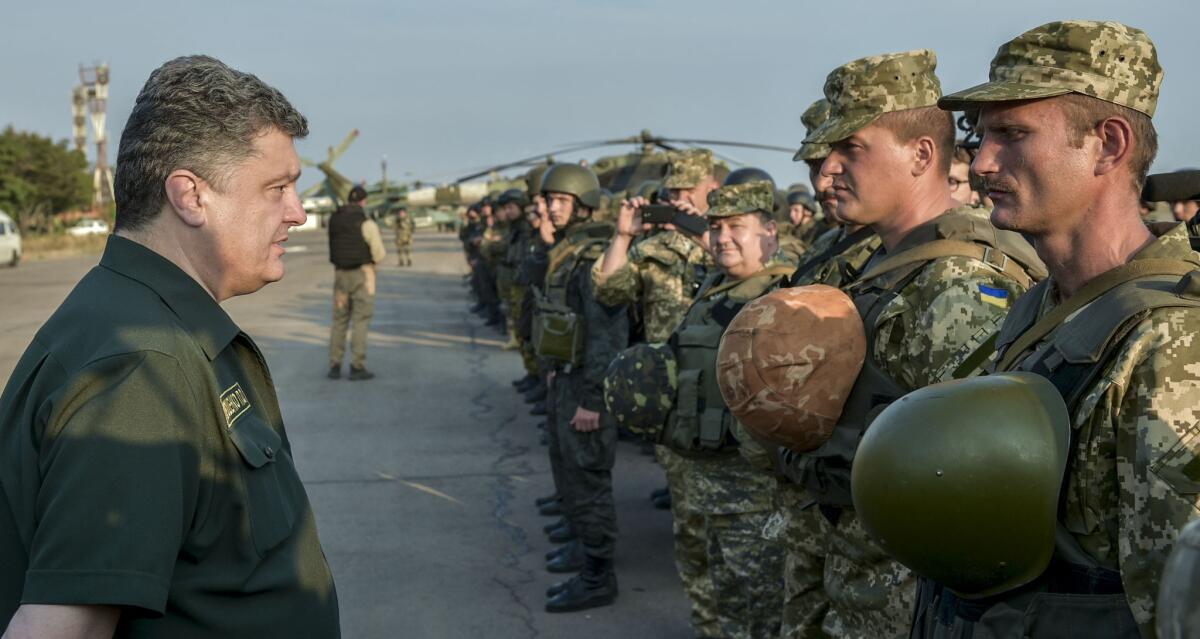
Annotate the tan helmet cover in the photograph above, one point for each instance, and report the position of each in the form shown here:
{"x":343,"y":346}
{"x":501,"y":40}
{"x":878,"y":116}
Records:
{"x":787,"y":362}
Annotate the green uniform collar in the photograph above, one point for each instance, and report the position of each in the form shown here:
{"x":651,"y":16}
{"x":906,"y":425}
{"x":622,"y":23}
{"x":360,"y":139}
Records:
{"x":196,"y":309}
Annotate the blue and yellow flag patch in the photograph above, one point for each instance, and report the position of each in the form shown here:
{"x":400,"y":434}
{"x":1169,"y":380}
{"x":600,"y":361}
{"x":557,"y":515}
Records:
{"x":994,"y":296}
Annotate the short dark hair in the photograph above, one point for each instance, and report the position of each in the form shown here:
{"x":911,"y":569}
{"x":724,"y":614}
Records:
{"x":193,"y":113}
{"x":357,"y":194}
{"x":1084,"y":113}
{"x":911,"y":124}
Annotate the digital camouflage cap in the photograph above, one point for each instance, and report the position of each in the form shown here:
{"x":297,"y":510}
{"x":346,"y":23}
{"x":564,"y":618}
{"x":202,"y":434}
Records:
{"x":639,"y":388}
{"x":813,"y":117}
{"x":739,"y":199}
{"x":687,"y":169}
{"x":861,"y":91}
{"x":1104,"y":60}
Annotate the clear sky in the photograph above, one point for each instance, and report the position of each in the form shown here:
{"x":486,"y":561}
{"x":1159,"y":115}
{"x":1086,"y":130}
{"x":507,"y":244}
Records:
{"x":445,"y":87}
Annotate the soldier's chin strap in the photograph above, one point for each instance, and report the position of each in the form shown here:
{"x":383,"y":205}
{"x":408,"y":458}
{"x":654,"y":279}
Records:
{"x":1091,"y":291}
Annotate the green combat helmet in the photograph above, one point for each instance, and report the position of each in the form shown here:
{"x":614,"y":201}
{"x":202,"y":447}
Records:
{"x":533,"y":179}
{"x":960,"y":480}
{"x":573,"y":179}
{"x":516,"y":196}
{"x":639,"y":389}
{"x":1178,"y":616}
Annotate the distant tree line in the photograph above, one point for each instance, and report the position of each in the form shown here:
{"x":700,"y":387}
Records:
{"x":40,"y":177}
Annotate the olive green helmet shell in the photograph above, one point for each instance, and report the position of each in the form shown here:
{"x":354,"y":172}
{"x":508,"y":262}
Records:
{"x":516,"y":196}
{"x":533,"y":179}
{"x":960,"y":480}
{"x":574,"y":180}
{"x":1177,"y":615}
{"x":639,"y":388}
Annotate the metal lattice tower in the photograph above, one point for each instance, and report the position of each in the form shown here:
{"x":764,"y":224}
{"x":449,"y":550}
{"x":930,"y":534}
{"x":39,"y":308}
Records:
{"x":93,"y":93}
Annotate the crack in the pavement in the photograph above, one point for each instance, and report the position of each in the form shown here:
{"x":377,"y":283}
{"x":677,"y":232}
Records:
{"x":503,"y":488}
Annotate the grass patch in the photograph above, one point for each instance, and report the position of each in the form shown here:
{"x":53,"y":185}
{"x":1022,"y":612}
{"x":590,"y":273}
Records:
{"x":45,"y":247}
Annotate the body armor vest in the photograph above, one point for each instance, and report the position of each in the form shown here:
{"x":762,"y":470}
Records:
{"x":1076,"y":596}
{"x":825,"y":472}
{"x":558,"y":331}
{"x":701,"y":424}
{"x":347,"y":248}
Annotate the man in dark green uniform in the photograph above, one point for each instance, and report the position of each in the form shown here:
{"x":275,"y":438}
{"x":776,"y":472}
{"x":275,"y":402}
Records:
{"x":147,"y":486}
{"x":578,"y":336}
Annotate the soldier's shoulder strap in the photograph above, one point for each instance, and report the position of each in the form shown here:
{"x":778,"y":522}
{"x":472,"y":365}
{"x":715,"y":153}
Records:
{"x":776,"y":271}
{"x":833,"y":251}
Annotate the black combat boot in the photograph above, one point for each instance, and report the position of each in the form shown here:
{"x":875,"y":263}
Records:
{"x":536,"y":394}
{"x":552,"y":509}
{"x":570,"y":560}
{"x":663,"y":502}
{"x":558,"y":523}
{"x":594,"y":587}
{"x":526,"y":383}
{"x":538,"y":409}
{"x":558,"y":550}
{"x":561,"y":535}
{"x":542,"y":501}
{"x":657,"y":494}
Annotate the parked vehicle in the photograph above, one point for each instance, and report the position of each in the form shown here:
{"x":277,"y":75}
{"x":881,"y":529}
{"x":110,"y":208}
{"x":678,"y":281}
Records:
{"x":87,"y":227}
{"x":10,"y":241}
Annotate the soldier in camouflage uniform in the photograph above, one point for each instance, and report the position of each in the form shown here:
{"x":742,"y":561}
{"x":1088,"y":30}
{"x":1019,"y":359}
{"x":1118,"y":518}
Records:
{"x":404,"y":237}
{"x":659,"y":270}
{"x":929,"y":299}
{"x":1085,"y":92}
{"x":577,"y":336}
{"x":727,"y":478}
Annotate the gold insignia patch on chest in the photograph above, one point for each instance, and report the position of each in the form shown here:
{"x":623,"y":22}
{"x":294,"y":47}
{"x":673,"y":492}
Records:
{"x":235,"y":403}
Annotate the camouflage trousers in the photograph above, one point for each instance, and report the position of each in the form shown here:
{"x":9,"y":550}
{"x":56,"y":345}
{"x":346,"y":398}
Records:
{"x":586,"y":462}
{"x":747,"y":575}
{"x":691,"y":546}
{"x":871,"y":595}
{"x":404,"y":251}
{"x":803,"y":536}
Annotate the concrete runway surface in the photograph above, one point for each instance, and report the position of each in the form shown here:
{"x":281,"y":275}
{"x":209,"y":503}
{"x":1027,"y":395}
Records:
{"x":422,"y":479}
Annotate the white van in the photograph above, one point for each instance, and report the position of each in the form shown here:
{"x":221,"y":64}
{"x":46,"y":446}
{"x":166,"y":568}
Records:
{"x":10,"y":241}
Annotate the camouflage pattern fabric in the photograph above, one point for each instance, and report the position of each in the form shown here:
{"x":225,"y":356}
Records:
{"x":639,"y":388}
{"x":739,"y":199}
{"x":842,"y":269}
{"x":661,"y":274}
{"x":922,"y":334}
{"x":791,"y":242}
{"x":1105,"y":60}
{"x":747,"y":575}
{"x":691,"y":545}
{"x":586,"y":461}
{"x":1130,"y":489}
{"x":813,"y":117}
{"x":861,"y":91}
{"x":687,"y":169}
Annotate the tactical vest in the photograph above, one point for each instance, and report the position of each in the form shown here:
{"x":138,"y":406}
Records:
{"x":1076,"y":596}
{"x":347,"y":248}
{"x":825,"y":472}
{"x":701,"y":425}
{"x":558,"y":331}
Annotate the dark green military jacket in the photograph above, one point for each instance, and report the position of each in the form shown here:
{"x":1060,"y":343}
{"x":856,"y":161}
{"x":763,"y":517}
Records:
{"x":144,"y":464}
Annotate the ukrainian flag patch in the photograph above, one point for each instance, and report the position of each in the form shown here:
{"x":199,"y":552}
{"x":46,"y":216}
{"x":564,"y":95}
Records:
{"x":994,"y":296}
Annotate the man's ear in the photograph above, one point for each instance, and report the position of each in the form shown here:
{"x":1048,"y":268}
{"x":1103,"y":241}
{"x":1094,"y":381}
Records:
{"x":924,"y":155}
{"x":1116,"y":144}
{"x":187,"y":195}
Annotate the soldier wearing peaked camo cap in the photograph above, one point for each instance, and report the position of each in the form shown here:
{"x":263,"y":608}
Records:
{"x":813,"y":117}
{"x":861,"y":91}
{"x":739,"y":199}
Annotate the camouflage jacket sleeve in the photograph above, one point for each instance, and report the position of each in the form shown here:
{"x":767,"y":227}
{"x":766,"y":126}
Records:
{"x":940,"y":318}
{"x":607,"y":334}
{"x":624,"y":286}
{"x":1134,"y":482}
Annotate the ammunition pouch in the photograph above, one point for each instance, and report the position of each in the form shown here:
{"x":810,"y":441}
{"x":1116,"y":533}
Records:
{"x":557,"y":333}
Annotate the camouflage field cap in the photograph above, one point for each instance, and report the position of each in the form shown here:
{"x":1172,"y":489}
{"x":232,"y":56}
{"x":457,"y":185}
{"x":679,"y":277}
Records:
{"x":1104,"y":60}
{"x":813,"y":117}
{"x":861,"y":91}
{"x":639,"y":388}
{"x":687,"y":169}
{"x":739,"y":199}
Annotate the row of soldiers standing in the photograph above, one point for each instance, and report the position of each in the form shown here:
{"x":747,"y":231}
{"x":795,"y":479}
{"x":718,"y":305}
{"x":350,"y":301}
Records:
{"x":791,"y":540}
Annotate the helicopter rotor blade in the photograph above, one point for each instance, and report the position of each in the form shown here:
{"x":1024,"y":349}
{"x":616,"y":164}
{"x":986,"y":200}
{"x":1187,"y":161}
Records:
{"x":335,"y":153}
{"x":744,"y":145}
{"x":529,"y":160}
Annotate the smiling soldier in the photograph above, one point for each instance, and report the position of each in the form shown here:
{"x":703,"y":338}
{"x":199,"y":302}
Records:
{"x":147,"y":486}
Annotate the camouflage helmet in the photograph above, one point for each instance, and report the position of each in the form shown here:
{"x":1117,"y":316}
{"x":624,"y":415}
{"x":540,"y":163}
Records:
{"x":533,"y":179}
{"x":1177,"y":616}
{"x":512,"y":196}
{"x":748,"y":174}
{"x":573,"y":179}
{"x":861,"y":91}
{"x":960,"y":481}
{"x":639,"y":388}
{"x":738,"y":199}
{"x":787,"y":362}
{"x":1105,"y":60}
{"x":813,"y":117}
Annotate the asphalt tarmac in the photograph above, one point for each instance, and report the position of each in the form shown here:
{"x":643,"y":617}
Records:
{"x":422,"y":479}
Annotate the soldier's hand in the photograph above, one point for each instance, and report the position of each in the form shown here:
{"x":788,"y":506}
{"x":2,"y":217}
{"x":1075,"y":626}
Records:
{"x":687,"y":207}
{"x":585,"y":421}
{"x":629,"y":218}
